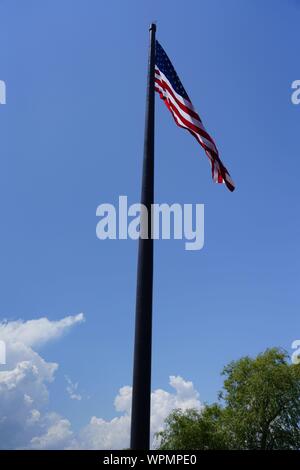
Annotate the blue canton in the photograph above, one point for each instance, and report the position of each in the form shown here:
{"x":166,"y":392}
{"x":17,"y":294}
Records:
{"x":165,"y":66}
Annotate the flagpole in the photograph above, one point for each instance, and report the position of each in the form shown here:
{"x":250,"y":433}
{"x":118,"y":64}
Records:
{"x":141,"y":392}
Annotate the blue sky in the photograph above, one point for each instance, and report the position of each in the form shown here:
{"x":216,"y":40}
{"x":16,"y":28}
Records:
{"x":72,"y":138}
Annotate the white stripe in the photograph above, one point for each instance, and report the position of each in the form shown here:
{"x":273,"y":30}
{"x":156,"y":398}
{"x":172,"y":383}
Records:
{"x":162,"y":91}
{"x":187,"y":116}
{"x":201,"y":139}
{"x":183,"y":113}
{"x":190,"y":119}
{"x":207,"y":143}
{"x":228,"y":179}
{"x":179,"y":97}
{"x":160,"y":88}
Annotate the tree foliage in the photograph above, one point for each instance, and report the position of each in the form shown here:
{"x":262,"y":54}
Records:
{"x":259,"y":409}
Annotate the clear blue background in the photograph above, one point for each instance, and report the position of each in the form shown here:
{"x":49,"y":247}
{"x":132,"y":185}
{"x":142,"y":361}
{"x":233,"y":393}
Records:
{"x":72,"y":138}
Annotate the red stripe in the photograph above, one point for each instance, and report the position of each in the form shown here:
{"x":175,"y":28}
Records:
{"x":188,"y":123}
{"x":196,"y":129}
{"x":223,"y":174}
{"x":189,"y":111}
{"x":192,"y":126}
{"x":167,"y":103}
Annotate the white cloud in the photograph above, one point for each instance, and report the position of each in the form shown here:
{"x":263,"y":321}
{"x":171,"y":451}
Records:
{"x":114,"y":434}
{"x":33,"y":333}
{"x":162,"y":402}
{"x":72,"y":389}
{"x":57,"y":433}
{"x":25,"y":421}
{"x":24,"y":383}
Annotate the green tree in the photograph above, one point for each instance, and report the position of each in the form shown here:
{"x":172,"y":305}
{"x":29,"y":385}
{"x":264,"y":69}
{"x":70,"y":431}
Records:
{"x":193,"y":429}
{"x":259,"y":409}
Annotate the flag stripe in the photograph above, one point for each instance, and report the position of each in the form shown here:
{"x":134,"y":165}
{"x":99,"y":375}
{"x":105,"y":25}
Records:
{"x":172,"y":92}
{"x":181,"y":100}
{"x":187,"y":123}
{"x":167,"y":90}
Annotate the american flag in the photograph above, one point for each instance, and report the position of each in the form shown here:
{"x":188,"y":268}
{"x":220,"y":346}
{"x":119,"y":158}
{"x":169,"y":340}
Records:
{"x":171,"y":90}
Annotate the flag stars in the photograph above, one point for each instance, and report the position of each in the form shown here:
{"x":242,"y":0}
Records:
{"x":165,"y":66}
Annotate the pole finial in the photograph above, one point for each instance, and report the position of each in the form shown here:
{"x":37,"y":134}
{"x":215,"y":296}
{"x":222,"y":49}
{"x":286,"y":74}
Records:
{"x":152,"y":26}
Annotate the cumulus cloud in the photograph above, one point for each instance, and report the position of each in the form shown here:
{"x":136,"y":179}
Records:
{"x":33,"y":333}
{"x":57,"y":433}
{"x":24,"y":384}
{"x":72,"y":388}
{"x":25,"y":421}
{"x":114,"y":434}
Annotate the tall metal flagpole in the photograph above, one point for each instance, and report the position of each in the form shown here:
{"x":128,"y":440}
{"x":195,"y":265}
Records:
{"x":141,"y":393}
